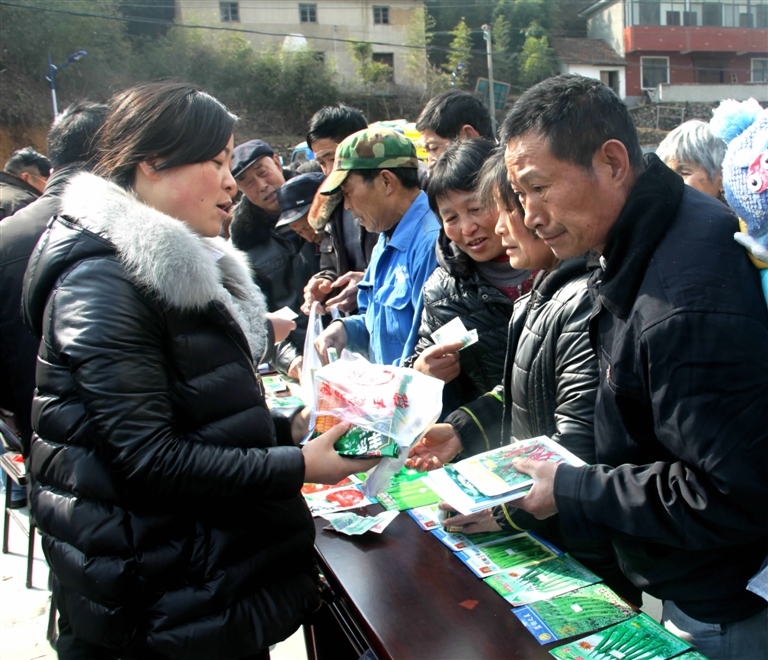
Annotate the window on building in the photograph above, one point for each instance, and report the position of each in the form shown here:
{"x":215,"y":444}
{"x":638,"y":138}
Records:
{"x":712,"y":14}
{"x":307,"y":13}
{"x":389,"y":60}
{"x":610,"y":79}
{"x":650,"y":12}
{"x":690,"y":18}
{"x":759,"y":70}
{"x":653,"y":71}
{"x":761,"y":16}
{"x":230,"y":12}
{"x":380,"y":15}
{"x":673,"y":18}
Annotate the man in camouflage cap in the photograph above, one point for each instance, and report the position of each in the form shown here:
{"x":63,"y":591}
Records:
{"x":377,"y":171}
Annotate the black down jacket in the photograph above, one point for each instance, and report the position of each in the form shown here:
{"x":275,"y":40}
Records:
{"x":455,"y":289}
{"x":171,"y":520}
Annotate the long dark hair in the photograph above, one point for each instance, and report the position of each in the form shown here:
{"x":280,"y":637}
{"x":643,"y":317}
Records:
{"x":173,"y":122}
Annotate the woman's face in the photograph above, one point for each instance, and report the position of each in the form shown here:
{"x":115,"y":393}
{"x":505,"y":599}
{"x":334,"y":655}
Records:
{"x":696,"y":177}
{"x":198,"y":194}
{"x":525,"y":250}
{"x":469,"y":225}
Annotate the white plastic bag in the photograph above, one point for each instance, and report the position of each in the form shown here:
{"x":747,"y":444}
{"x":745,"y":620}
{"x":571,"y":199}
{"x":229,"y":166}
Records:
{"x":311,"y":362}
{"x":397,"y":402}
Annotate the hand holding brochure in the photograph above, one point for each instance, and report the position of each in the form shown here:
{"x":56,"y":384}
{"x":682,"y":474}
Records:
{"x":490,"y":479}
{"x":493,"y":474}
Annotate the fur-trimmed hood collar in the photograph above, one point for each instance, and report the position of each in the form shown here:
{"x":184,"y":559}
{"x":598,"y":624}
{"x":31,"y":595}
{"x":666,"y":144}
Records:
{"x":163,"y":256}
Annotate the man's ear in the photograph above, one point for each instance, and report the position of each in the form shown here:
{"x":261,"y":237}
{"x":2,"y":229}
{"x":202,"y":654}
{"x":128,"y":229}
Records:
{"x":26,"y":177}
{"x":613,"y":158}
{"x":276,"y":158}
{"x":149,"y":169}
{"x":390,"y":181}
{"x":468,"y":131}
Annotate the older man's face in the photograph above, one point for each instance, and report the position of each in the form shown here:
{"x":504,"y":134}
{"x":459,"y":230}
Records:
{"x":260,"y":182}
{"x":570,"y":209}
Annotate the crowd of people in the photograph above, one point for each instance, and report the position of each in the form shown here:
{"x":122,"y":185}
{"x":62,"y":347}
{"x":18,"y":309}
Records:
{"x":145,"y":269}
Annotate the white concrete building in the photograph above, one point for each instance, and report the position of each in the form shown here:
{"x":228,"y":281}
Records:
{"x":325,"y":24}
{"x":592,"y":58}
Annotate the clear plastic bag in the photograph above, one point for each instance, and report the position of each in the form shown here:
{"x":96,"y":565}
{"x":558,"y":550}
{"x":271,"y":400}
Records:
{"x":311,"y":362}
{"x":397,"y":402}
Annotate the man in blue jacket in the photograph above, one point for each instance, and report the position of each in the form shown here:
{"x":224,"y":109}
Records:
{"x":680,"y":329}
{"x":377,"y":170}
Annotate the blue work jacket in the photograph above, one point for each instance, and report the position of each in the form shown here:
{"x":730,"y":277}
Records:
{"x":390,"y":294}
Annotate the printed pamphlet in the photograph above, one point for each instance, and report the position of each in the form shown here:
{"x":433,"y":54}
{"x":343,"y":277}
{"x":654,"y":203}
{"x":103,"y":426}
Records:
{"x":459,"y":492}
{"x":581,"y":611}
{"x":507,"y":554}
{"x":426,"y":517}
{"x":493,"y":474}
{"x":316,"y":488}
{"x":337,"y":499}
{"x":640,"y":638}
{"x":542,"y":581}
{"x":408,"y":495}
{"x":457,"y":541}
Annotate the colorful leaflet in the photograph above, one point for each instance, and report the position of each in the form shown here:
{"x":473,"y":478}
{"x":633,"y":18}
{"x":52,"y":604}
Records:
{"x":407,"y":495}
{"x":507,"y":554}
{"x":542,"y":581}
{"x":426,"y":517}
{"x":493,"y":474}
{"x":338,"y":499}
{"x":640,"y":638}
{"x":457,"y":541}
{"x":581,"y":611}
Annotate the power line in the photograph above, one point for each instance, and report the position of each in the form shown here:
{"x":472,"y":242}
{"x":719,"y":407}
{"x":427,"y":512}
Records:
{"x":221,"y":28}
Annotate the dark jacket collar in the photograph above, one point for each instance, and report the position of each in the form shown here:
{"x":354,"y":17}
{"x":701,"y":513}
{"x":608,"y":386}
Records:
{"x":640,"y":228}
{"x":547,"y":283}
{"x":457,"y":263}
{"x":251,"y":224}
{"x":16,"y":182}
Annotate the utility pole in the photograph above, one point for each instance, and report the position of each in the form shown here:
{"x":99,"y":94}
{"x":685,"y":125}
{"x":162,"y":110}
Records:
{"x":491,"y":96}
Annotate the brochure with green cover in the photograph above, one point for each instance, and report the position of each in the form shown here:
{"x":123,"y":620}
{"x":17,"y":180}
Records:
{"x":510,"y":553}
{"x":577,"y":612}
{"x":640,"y":638}
{"x":542,"y":581}
{"x":364,"y":443}
{"x":457,"y":541}
{"x":407,"y":495}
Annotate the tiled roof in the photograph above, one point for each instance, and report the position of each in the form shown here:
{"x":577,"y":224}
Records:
{"x":585,"y":51}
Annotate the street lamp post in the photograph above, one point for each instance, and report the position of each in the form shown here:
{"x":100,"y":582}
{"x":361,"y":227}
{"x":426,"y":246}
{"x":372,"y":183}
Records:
{"x":491,"y":96}
{"x":80,"y":54}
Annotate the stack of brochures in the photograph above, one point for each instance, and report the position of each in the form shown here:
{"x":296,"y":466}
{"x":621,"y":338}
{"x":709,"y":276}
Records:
{"x":489,"y":479}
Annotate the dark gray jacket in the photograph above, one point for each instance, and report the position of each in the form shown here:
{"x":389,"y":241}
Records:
{"x":19,"y":234}
{"x":15,"y":194}
{"x":680,"y":327}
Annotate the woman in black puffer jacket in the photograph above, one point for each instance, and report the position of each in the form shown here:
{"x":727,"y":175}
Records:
{"x":474,"y":281}
{"x":171,"y":519}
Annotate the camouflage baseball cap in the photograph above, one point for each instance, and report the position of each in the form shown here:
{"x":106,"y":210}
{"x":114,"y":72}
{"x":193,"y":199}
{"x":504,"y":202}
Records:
{"x":370,"y":149}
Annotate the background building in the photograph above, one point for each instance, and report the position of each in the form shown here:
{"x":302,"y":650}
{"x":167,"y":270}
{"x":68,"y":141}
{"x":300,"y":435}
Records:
{"x":593,"y":58}
{"x":323,"y":23}
{"x":682,"y":43}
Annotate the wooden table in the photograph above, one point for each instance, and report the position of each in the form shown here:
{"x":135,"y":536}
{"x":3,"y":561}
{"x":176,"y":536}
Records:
{"x":403,"y":594}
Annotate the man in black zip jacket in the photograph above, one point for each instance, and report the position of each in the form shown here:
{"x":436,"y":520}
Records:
{"x":680,"y":329}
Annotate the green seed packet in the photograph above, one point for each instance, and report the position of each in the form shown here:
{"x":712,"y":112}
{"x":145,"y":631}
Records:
{"x":576,"y":612}
{"x":638,"y":638}
{"x":362,"y":443}
{"x":407,"y":495}
{"x":542,"y":581}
